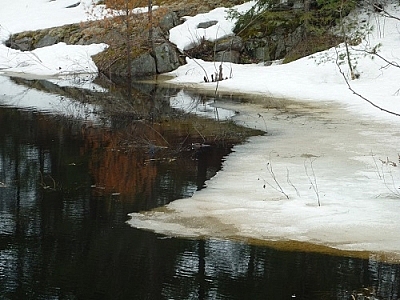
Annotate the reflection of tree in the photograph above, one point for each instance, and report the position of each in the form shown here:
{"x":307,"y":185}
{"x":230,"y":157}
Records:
{"x":118,"y":169}
{"x":224,"y":269}
{"x":68,"y":244}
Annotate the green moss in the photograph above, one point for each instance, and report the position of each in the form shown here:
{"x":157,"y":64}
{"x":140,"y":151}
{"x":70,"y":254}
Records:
{"x":266,"y":23}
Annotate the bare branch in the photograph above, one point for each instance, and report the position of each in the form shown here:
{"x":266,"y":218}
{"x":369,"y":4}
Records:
{"x":313,"y":179}
{"x":278,"y":187}
{"x":373,"y":52}
{"x":359,"y":95}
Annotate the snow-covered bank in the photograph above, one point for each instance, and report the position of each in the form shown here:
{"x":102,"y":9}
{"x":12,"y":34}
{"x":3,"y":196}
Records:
{"x":311,"y":154}
{"x":317,"y":77}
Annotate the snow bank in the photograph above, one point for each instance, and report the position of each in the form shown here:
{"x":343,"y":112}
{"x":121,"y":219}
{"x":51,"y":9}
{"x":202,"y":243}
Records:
{"x":56,"y":60}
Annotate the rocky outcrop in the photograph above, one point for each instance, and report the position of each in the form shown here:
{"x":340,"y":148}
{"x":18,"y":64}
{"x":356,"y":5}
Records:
{"x":269,"y":39}
{"x":143,"y":65}
{"x":274,"y":46}
{"x":266,"y":40}
{"x":228,"y":49}
{"x":164,"y":57}
{"x":70,"y":34}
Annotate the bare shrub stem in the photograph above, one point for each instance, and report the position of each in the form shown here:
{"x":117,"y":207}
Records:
{"x":313,"y":179}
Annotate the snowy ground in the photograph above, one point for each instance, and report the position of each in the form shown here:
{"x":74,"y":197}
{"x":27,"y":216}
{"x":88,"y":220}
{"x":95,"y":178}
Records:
{"x":328,"y":146}
{"x":60,"y":59}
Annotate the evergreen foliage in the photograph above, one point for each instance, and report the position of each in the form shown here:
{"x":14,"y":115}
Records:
{"x":317,"y":18}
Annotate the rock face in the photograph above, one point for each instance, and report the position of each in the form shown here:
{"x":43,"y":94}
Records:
{"x":228,"y":49}
{"x":274,"y":46}
{"x":271,"y":36}
{"x":166,"y":58}
{"x":69,"y":34}
{"x":267,"y":40}
{"x":169,"y":21}
{"x":144,"y":65}
{"x":47,"y":40}
{"x":260,"y":42}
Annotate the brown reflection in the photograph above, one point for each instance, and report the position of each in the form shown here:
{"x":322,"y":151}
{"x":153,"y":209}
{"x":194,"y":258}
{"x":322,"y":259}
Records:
{"x":119,"y":167}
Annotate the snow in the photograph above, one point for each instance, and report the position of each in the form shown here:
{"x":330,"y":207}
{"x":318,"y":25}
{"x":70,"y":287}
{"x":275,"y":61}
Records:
{"x":188,"y":35}
{"x":323,"y":144}
{"x":18,"y":16}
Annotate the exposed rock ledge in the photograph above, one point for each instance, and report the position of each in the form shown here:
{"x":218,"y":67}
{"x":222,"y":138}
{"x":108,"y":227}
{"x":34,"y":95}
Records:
{"x":257,"y":45}
{"x":164,"y":58}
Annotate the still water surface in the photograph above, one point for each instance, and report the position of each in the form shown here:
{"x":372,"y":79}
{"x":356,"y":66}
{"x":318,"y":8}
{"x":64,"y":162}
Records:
{"x":65,"y":191}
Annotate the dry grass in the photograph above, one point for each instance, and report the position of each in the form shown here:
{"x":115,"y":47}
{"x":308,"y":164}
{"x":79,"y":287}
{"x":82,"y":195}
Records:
{"x":190,"y":6}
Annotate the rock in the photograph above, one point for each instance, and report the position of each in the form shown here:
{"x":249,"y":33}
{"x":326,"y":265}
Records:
{"x":298,"y":5}
{"x":169,"y":21}
{"x":262,"y":54}
{"x":47,"y":40}
{"x":144,"y":65}
{"x":23,"y":44}
{"x":73,"y":5}
{"x":228,"y":56}
{"x":275,"y":45}
{"x":207,"y":24}
{"x":167,"y":58}
{"x":228,"y":44}
{"x":159,"y":34}
{"x":280,"y":50}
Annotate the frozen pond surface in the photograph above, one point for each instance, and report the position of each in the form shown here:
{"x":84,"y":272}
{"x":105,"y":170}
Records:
{"x":320,"y":175}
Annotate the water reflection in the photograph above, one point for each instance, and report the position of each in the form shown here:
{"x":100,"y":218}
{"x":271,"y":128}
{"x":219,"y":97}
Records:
{"x":224,"y":270}
{"x":66,"y":188}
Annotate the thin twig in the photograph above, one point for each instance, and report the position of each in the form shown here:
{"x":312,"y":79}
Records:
{"x":376,"y":165}
{"x":361,"y":96}
{"x":290,"y":182}
{"x":312,"y":180}
{"x":278,"y":187}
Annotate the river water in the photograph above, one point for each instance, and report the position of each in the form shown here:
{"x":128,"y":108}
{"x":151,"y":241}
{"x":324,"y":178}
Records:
{"x":68,"y":183}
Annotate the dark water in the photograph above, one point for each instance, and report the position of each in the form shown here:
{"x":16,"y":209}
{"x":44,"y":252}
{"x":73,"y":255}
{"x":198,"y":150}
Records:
{"x":65,"y":191}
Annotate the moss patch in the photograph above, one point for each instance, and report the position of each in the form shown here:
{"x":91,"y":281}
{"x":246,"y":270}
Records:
{"x":312,"y":44}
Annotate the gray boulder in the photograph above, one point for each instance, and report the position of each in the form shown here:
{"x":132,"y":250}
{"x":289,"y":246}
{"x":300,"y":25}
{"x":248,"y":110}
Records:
{"x":144,"y":65}
{"x":169,"y":21}
{"x":230,"y":43}
{"x":167,"y":58}
{"x":23,"y":44}
{"x":207,"y":24}
{"x":47,"y":40}
{"x":228,"y":56}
